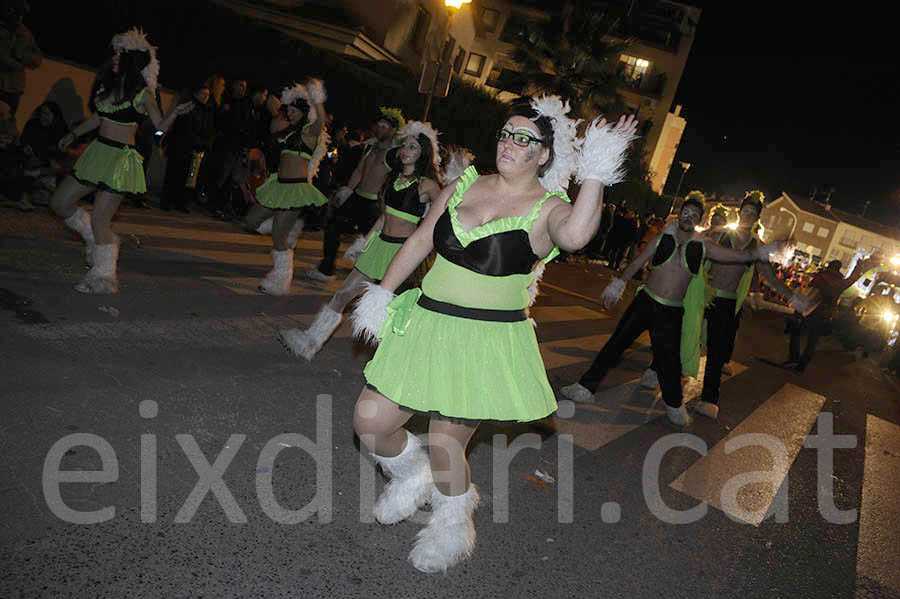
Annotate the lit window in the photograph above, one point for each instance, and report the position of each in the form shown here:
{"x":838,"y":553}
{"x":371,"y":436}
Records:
{"x":475,"y":64}
{"x":823,"y":232}
{"x":808,"y":227}
{"x":489,"y":19}
{"x":635,"y":68}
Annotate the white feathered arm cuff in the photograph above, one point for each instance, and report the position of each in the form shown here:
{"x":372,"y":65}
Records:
{"x":370,"y":312}
{"x":602,"y":155}
{"x":315,"y":89}
{"x":355,"y":248}
{"x":613,"y":292}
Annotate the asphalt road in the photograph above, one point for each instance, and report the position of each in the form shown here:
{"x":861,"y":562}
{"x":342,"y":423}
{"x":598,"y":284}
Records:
{"x":179,"y":378}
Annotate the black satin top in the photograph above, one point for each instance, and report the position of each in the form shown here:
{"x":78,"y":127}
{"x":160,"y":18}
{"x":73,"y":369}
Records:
{"x":497,"y":255}
{"x":405,"y":200}
{"x":124,"y":113}
{"x":292,"y":141}
{"x":668,"y":245}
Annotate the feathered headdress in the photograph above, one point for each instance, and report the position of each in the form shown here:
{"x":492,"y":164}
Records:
{"x":135,"y":40}
{"x":697,"y":199}
{"x":458,"y":160}
{"x":414,"y":129}
{"x":755,"y":197}
{"x":393,"y":116}
{"x":719,"y":210}
{"x":290,"y":94}
{"x":566,"y":143}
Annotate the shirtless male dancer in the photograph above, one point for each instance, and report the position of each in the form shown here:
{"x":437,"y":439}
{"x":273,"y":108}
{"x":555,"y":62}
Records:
{"x":355,"y":206}
{"x":670,"y":305}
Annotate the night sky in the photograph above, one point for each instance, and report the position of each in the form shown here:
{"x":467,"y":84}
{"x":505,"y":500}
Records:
{"x":781,"y":97}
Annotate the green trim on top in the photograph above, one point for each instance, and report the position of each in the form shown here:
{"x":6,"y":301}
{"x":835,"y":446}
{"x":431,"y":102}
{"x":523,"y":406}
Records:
{"x":366,"y":194}
{"x":724,"y":293}
{"x":404,"y":215}
{"x":500,"y":225}
{"x":404,"y":185}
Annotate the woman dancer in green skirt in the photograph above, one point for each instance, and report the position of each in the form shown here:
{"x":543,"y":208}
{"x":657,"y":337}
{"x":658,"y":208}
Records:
{"x":303,"y":143}
{"x":408,"y":189}
{"x":124,"y":92}
{"x":460,"y":348}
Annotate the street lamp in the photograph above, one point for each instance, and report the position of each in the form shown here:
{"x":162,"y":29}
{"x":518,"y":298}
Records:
{"x":794,"y":226}
{"x":684,"y":168}
{"x":452,"y":6}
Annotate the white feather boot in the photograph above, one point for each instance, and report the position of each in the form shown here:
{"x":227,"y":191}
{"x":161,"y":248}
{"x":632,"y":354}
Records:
{"x":410,"y":486}
{"x":307,"y":344}
{"x":265,"y":227}
{"x":295,"y":233}
{"x":101,"y":278}
{"x":278,"y":280}
{"x":450,"y":535}
{"x":80,"y":222}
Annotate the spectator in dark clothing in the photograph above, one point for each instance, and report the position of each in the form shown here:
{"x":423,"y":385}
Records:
{"x":244,"y":127}
{"x":18,"y":51}
{"x":826,"y":287}
{"x":620,"y":237}
{"x":595,"y":246}
{"x":43,"y":132}
{"x":186,"y":145}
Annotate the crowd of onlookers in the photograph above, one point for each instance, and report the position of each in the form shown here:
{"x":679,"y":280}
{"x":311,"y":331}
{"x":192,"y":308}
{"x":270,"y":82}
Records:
{"x":622,"y":234}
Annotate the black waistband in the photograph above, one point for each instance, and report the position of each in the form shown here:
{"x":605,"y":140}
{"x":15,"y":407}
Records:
{"x":292,"y":180}
{"x":111,"y":142}
{"x":391,"y":238}
{"x":471,"y":313}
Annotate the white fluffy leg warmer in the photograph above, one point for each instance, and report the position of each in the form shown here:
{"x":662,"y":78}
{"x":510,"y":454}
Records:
{"x":80,"y":222}
{"x":370,"y":312}
{"x":355,"y":249}
{"x":265,"y":227}
{"x":450,"y":535}
{"x":410,"y":486}
{"x":278,"y":280}
{"x":101,"y":278}
{"x":307,"y":344}
{"x":295,"y":233}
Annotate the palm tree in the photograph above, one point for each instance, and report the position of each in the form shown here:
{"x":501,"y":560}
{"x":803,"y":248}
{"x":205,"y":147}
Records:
{"x":573,"y":55}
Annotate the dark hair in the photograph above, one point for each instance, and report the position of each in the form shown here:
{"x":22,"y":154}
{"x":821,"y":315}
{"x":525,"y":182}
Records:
{"x":522,"y":107}
{"x":300,"y":104}
{"x":54,"y":108}
{"x":131,"y":63}
{"x":424,"y":166}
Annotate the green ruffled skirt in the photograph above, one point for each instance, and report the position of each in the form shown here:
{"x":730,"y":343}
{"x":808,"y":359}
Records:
{"x":281,"y":195}
{"x":112,"y":168}
{"x":459,"y":367}
{"x":376,"y":256}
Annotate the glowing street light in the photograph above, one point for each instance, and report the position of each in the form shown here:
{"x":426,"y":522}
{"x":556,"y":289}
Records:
{"x":452,"y":7}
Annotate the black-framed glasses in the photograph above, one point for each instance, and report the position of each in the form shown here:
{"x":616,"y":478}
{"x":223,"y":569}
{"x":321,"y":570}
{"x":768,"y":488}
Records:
{"x":523,"y":140}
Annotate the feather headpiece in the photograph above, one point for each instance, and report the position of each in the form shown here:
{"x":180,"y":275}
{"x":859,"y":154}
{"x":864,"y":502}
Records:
{"x":566,"y":143}
{"x":458,"y":160}
{"x":393,"y":116}
{"x":135,"y":40}
{"x":290,"y":94}
{"x":414,"y":129}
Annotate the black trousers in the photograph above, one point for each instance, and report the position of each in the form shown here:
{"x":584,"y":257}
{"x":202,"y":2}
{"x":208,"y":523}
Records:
{"x":174,"y":191}
{"x":356,"y":215}
{"x":814,"y":327}
{"x":664,"y":324}
{"x":721,"y":329}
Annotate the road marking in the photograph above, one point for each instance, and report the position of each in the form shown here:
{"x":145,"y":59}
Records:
{"x":572,"y":293}
{"x":788,"y":416}
{"x":879,"y":534}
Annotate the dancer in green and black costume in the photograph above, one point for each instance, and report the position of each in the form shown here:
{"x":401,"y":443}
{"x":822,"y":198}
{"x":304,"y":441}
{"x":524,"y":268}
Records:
{"x":303,"y":141}
{"x":730,"y":285}
{"x":407,"y":192}
{"x":670,"y":305}
{"x":124,"y":93}
{"x":461,"y":348}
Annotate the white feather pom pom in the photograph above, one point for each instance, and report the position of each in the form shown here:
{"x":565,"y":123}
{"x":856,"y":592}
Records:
{"x":370,"y":312}
{"x":312,"y":169}
{"x":565,"y":141}
{"x":613,"y":292}
{"x":355,"y":249}
{"x":458,"y":160}
{"x":315,"y":89}
{"x":603,"y":154}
